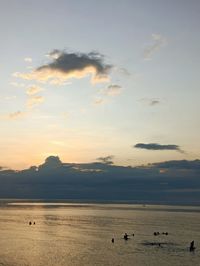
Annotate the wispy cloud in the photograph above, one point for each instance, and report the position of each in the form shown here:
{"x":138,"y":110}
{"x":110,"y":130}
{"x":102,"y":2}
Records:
{"x":64,"y":66}
{"x":34,"y":101}
{"x":8,"y":98}
{"x":13,"y":116}
{"x":123,"y":71}
{"x":28,"y":59}
{"x":99,"y":101}
{"x":112,"y":90}
{"x":158,"y":147}
{"x":158,"y":41}
{"x":33,"y":90}
{"x":16,"y":84}
{"x":151,"y":101}
{"x":154,"y":102}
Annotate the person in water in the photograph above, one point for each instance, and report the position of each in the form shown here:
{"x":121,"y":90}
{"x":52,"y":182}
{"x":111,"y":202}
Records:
{"x":192,"y":247}
{"x":125,"y":236}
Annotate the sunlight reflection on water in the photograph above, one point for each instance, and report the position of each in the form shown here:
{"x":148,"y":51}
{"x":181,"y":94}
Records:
{"x":80,"y":234}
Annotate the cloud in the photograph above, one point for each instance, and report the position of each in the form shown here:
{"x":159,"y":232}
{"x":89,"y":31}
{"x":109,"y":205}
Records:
{"x":54,"y":179}
{"x":8,"y":98}
{"x":13,"y":116}
{"x":158,"y":42}
{"x":179,"y":164}
{"x":151,"y":101}
{"x":99,"y":101}
{"x":33,"y":90}
{"x":28,"y":59}
{"x":123,"y":71}
{"x":154,"y":102}
{"x":16,"y":115}
{"x":112,"y":90}
{"x":106,"y":160}
{"x":65,"y":66}
{"x":34,"y":101}
{"x":158,"y":147}
{"x":16,"y":84}
{"x":54,"y":54}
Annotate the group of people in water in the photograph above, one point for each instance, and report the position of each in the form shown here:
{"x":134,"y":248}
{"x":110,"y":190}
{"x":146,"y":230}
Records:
{"x":30,"y":223}
{"x":158,"y":233}
{"x":126,"y":237}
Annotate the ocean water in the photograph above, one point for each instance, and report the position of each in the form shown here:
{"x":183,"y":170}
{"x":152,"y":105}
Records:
{"x":80,"y":234}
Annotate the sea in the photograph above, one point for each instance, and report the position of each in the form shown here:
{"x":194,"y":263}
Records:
{"x":80,"y":234}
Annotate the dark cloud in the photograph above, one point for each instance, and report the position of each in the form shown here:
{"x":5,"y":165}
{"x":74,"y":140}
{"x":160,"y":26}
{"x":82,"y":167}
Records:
{"x":179,"y":164}
{"x":70,"y":62}
{"x":164,"y":182}
{"x":106,"y":160}
{"x":67,"y":62}
{"x":65,"y":65}
{"x":157,"y":147}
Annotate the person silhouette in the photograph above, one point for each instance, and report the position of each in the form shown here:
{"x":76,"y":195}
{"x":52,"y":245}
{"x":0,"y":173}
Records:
{"x":125,"y":236}
{"x":192,"y":247}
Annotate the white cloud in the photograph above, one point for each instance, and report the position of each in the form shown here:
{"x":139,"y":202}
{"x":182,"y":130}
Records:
{"x":28,"y":59}
{"x":16,"y":84}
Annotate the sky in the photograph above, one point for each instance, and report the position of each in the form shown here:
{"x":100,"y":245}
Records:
{"x":88,"y":79}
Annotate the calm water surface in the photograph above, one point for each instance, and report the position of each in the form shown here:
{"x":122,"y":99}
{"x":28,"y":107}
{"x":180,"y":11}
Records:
{"x":80,"y":234}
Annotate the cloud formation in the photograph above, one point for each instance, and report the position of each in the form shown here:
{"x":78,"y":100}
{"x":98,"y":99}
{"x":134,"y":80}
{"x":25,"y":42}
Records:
{"x":106,"y":160}
{"x":179,"y":164}
{"x":154,"y":102}
{"x":151,"y":101}
{"x":34,"y":101}
{"x":157,"y":147}
{"x":123,"y":71}
{"x":13,"y":115}
{"x":112,"y":90}
{"x":33,"y":90}
{"x":158,"y":42}
{"x":16,"y":84}
{"x":65,"y":66}
{"x":99,"y":101}
{"x":165,"y":182}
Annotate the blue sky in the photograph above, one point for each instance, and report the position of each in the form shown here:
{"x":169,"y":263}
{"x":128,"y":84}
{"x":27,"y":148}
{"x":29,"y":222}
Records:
{"x":150,"y":94}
